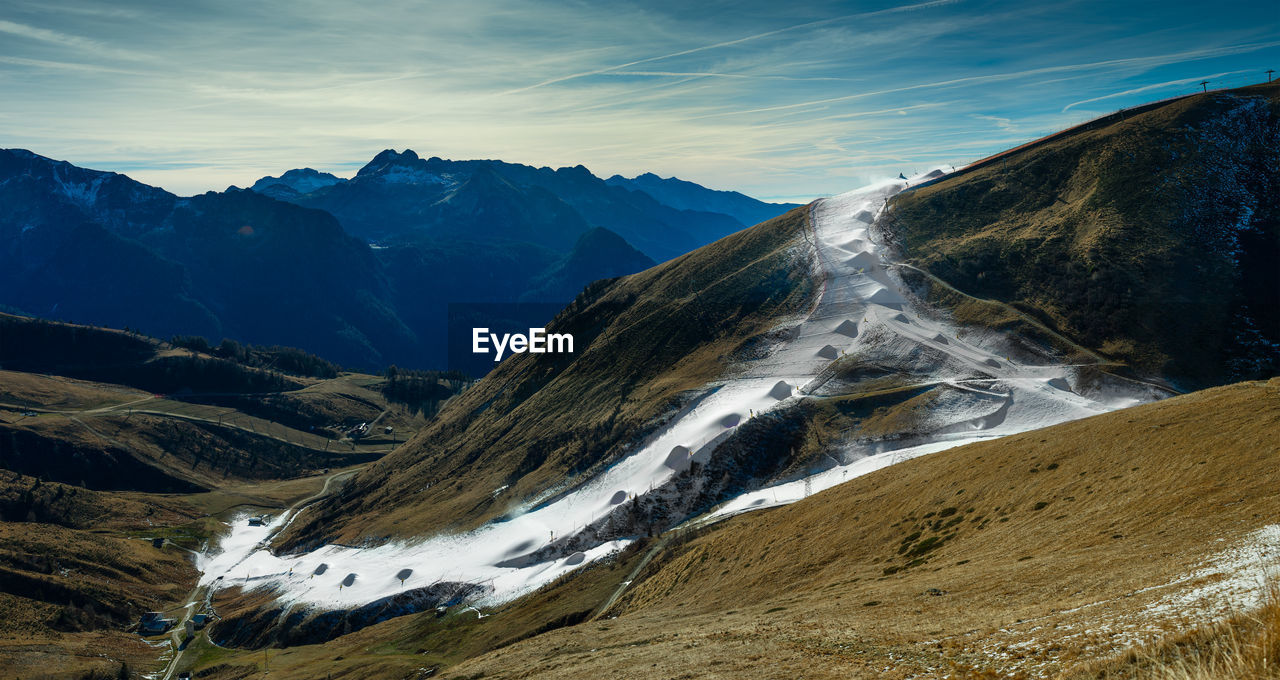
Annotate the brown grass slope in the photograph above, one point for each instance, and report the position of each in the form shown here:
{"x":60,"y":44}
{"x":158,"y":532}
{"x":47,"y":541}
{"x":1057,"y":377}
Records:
{"x":147,"y":452}
{"x":72,"y":579}
{"x":1151,"y":237}
{"x":977,"y":556}
{"x":26,"y":390}
{"x":642,"y":342}
{"x":127,"y":358}
{"x":111,"y":437}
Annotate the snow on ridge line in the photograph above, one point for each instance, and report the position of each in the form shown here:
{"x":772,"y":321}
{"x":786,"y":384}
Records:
{"x":862,"y":309}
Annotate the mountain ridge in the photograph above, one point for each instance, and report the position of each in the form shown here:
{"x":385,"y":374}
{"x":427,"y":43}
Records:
{"x":383,"y":201}
{"x":685,"y":195}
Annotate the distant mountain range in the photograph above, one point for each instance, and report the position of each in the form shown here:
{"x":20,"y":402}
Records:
{"x":360,"y":271}
{"x":399,"y":198}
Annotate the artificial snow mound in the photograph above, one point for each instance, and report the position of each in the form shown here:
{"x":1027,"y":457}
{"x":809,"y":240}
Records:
{"x":678,"y":459}
{"x":848,"y":329}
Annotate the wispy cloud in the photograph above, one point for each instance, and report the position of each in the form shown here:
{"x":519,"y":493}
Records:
{"x":59,"y":39}
{"x":730,"y":43}
{"x":66,"y":66}
{"x":1000,"y":122}
{"x":806,"y":99}
{"x":709,"y":74}
{"x":1145,"y":62}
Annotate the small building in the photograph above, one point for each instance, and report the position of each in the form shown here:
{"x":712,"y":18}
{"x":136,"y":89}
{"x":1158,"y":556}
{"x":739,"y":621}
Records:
{"x":257,"y":521}
{"x":154,"y":623}
{"x":388,"y":430}
{"x":157,"y":542}
{"x":200,"y":621}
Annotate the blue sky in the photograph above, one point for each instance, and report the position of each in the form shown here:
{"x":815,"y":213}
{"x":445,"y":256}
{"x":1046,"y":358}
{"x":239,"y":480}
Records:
{"x":779,"y":100}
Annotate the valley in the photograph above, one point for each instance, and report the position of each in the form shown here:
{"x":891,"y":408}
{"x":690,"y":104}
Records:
{"x":111,"y":493}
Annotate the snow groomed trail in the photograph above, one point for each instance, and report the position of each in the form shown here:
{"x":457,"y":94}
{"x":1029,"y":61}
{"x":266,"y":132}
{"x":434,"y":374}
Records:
{"x":863,"y":310}
{"x":867,"y":312}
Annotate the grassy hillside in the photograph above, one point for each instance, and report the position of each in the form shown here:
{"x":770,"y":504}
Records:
{"x":1151,"y":237}
{"x":998,"y":555}
{"x":154,"y":453}
{"x":72,"y":580}
{"x":642,"y":343}
{"x":78,"y":406}
{"x":1243,"y":647}
{"x":126,"y":358}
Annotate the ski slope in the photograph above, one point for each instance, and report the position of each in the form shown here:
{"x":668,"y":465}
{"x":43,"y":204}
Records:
{"x":863,"y":310}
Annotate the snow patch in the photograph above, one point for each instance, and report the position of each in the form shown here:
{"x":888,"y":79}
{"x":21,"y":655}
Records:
{"x":1229,"y":582}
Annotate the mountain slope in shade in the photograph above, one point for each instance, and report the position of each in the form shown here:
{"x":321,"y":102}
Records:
{"x":488,"y":207}
{"x":294,"y":182}
{"x":684,"y":195}
{"x":598,"y":254}
{"x":95,"y":246}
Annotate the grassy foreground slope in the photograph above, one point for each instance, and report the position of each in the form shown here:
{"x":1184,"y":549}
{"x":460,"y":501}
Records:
{"x":643,"y":342}
{"x":1151,"y":236}
{"x":1035,"y":552}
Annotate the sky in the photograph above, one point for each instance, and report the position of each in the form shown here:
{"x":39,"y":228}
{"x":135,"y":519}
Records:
{"x":783,"y":101}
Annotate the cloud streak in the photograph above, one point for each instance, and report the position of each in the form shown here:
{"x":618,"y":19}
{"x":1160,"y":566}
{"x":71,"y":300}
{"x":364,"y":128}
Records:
{"x":64,"y":40}
{"x":734,"y":42}
{"x":1154,"y":86}
{"x":809,"y":99}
